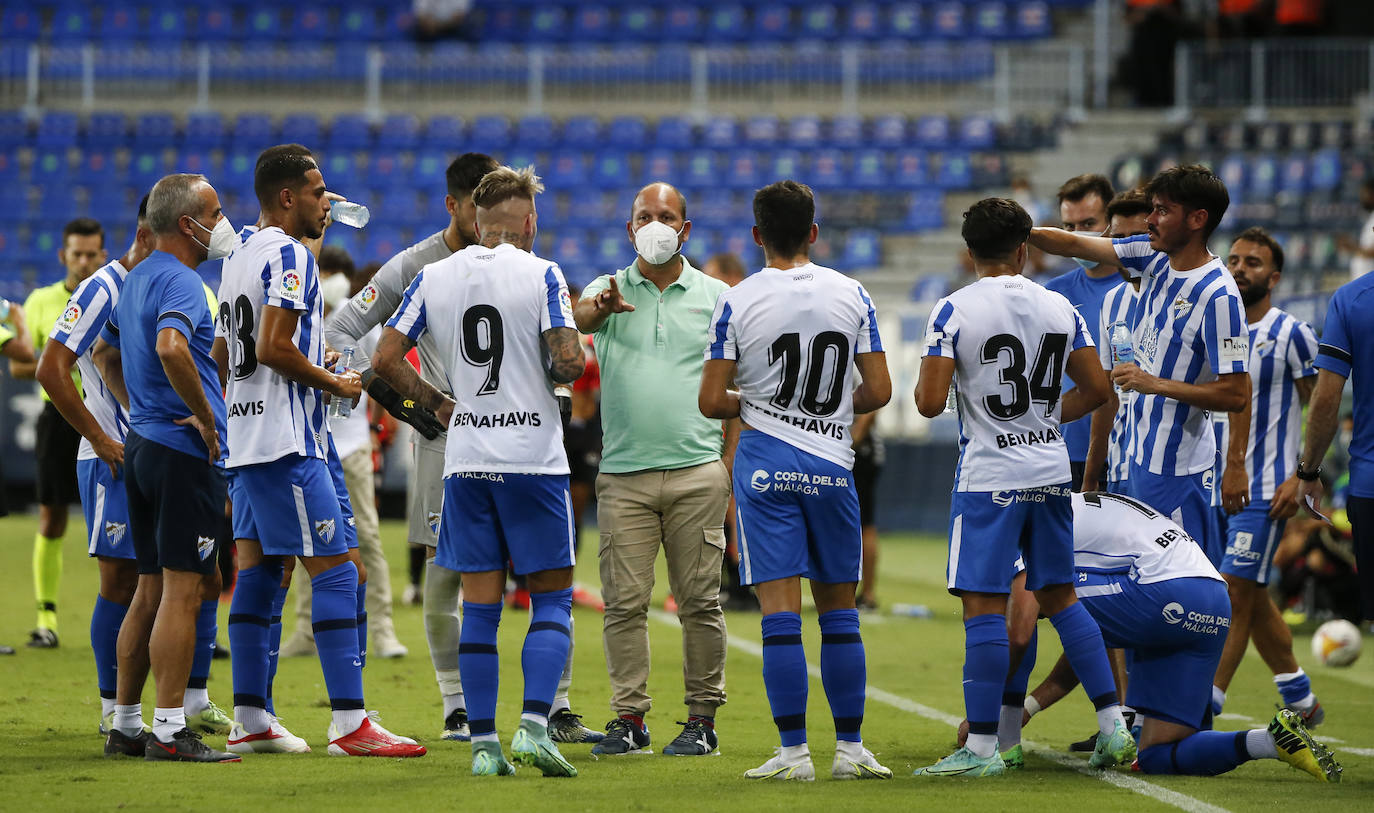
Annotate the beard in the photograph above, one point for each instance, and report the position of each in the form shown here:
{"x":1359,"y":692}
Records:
{"x":1252,"y":294}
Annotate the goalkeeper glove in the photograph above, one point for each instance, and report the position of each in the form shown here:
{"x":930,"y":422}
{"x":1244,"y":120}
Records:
{"x":404,"y":409}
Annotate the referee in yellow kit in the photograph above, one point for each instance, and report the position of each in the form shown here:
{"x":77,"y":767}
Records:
{"x":82,"y":252}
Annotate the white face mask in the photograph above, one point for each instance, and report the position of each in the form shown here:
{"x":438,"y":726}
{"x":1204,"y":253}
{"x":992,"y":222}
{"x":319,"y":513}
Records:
{"x":224,"y":238}
{"x":334,"y":288}
{"x":656,"y":242}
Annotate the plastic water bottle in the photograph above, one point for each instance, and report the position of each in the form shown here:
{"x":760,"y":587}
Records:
{"x":349,"y":213}
{"x":342,"y":407}
{"x":1123,"y":350}
{"x":4,"y":310}
{"x":952,"y":399}
{"x":912,"y":610}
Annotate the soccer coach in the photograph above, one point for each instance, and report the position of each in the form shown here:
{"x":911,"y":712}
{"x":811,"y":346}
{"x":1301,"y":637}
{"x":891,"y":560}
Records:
{"x":161,"y":333}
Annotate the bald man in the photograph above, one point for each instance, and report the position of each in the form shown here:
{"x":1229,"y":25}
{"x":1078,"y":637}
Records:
{"x":663,"y":482}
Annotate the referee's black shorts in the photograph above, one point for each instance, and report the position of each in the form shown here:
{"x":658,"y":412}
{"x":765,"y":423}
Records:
{"x":866,"y":471}
{"x":55,"y":449}
{"x":176,"y":507}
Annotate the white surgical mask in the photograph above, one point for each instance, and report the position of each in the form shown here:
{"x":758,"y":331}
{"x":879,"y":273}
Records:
{"x":656,"y":242}
{"x":224,"y":238}
{"x":334,"y":288}
{"x":1086,"y":265}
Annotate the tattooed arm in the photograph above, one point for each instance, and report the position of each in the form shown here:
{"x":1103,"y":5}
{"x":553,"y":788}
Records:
{"x":566,"y":361}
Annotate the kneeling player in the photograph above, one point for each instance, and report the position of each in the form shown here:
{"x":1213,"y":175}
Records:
{"x":1152,"y":590}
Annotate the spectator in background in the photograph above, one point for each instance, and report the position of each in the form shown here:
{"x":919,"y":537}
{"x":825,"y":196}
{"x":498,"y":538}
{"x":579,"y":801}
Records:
{"x":436,"y":19}
{"x":869,"y":456}
{"x":1361,"y":247}
{"x":1241,"y":19}
{"x":1083,"y":208}
{"x":83,"y":251}
{"x":1148,"y":64}
{"x":725,"y":267}
{"x":1022,"y":193}
{"x":16,"y":345}
{"x":1299,"y":18}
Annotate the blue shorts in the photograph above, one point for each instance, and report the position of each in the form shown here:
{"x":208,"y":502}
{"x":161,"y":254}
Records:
{"x":491,"y":518}
{"x":176,"y":507}
{"x":1252,"y":539}
{"x":1175,"y":630}
{"x":1186,"y":500}
{"x":989,"y":530}
{"x":797,"y":514}
{"x":106,"y":508}
{"x":289,"y":506}
{"x":1119,"y":487}
{"x":336,"y":474}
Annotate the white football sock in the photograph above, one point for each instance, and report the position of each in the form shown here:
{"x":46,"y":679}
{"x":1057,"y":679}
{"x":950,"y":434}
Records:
{"x":1260,"y":744}
{"x":346,"y":721}
{"x":167,"y":722}
{"x":253,"y":719}
{"x":1107,"y":719}
{"x":129,"y":719}
{"x":1009,"y":727}
{"x":792,"y":753}
{"x":195,"y":701}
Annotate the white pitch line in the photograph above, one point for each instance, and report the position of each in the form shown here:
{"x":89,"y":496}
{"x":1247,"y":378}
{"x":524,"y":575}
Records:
{"x":1182,"y":801}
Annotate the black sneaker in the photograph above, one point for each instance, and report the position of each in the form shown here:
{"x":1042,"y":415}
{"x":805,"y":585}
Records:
{"x":119,"y":744}
{"x":185,"y":747}
{"x":42,"y":639}
{"x":1089,"y":745}
{"x":623,"y":736}
{"x":564,"y":726}
{"x":698,"y":738}
{"x":456,"y":726}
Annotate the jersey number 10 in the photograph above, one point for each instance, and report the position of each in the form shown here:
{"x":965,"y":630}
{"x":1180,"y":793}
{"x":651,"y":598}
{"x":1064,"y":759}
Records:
{"x":829,"y":353}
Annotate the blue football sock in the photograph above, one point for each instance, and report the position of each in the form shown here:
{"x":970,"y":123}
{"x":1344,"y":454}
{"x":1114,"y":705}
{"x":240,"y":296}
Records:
{"x":479,"y":665}
{"x":207,"y":628}
{"x":546,"y":648}
{"x":362,"y":623}
{"x":1294,"y":687}
{"x":1018,"y":681}
{"x":844,"y":671}
{"x":105,"y":621}
{"x":274,"y":644}
{"x":334,"y":617}
{"x":985,"y":673}
{"x":1206,"y":753}
{"x":784,"y":675}
{"x":1082,"y":642}
{"x":249,"y":622}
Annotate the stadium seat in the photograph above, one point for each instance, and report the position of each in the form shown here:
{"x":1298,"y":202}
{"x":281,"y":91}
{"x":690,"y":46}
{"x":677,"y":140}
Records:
{"x":932,"y":131}
{"x":197,"y":161}
{"x":610,"y":169}
{"x":566,"y":169}
{"x":302,"y":128}
{"x":726,"y":22}
{"x":536,"y":133}
{"x":640,"y":24}
{"x":631,"y":133}
{"x":720,"y":133}
{"x":1264,"y":176}
{"x":659,"y":165}
{"x":489,"y":133}
{"x":584,"y":207}
{"x":820,"y":21}
{"x":98,"y":168}
{"x":714,"y":209}
{"x":399,"y":132}
{"x":356,"y":23}
{"x":803,"y":132}
{"x":154,"y":131}
{"x":1326,"y":170}
{"x":57,"y":129}
{"x":1234,"y":173}
{"x":252,"y":131}
{"x":683,"y":22}
{"x":50,"y":167}
{"x":350,"y":131}
{"x":906,"y":21}
{"x":72,"y":23}
{"x":827,"y":169}
{"x":591,"y":23}
{"x":106,"y":131}
{"x":742,"y":171}
{"x":340,"y":170}
{"x":991,"y":21}
{"x":1032,"y":20}
{"x":581,"y":132}
{"x":978,"y":132}
{"x":862,"y":250}
{"x":762,"y":131}
{"x":444,"y":133}
{"x":870,"y":170}
{"x":612,"y":250}
{"x":427,"y":173}
{"x":167,"y":24}
{"x":237,"y":172}
{"x":928,"y":288}
{"x":863,"y":21}
{"x":547,"y":24}
{"x":1294,"y":177}
{"x":672,"y":132}
{"x":119,"y":24}
{"x":948,"y":20}
{"x":772,"y":22}
{"x":701,"y":169}
{"x":313,"y":23}
{"x":954,"y":171}
{"x":204,"y":131}
{"x":889,"y":131}
{"x":846,"y":132}
{"x":926,"y":211}
{"x":784,"y":164}
{"x":147,"y":168}
{"x":14,"y":132}
{"x":20,"y":22}
{"x":265,"y":23}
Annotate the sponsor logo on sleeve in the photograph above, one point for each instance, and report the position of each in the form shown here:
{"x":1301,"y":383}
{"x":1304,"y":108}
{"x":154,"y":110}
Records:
{"x":1235,"y":348}
{"x":292,"y":286}
{"x":366,"y":298}
{"x":565,"y":302}
{"x":70,"y":317}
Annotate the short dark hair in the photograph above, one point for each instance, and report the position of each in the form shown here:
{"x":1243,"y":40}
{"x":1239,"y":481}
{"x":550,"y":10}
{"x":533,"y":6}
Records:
{"x":466,"y":171}
{"x":1193,"y":187}
{"x":730,"y":264}
{"x":85,"y":227}
{"x":279,"y":167}
{"x":1131,"y":203}
{"x":143,"y":209}
{"x":1081,"y":186}
{"x":336,"y":258}
{"x":784,"y":213}
{"x":994,"y":227}
{"x":1256,"y":234}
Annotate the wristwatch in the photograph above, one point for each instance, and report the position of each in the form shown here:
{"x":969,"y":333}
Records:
{"x":1304,"y":474}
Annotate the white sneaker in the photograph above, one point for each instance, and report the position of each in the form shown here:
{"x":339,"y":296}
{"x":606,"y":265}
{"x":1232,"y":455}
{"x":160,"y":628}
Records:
{"x":799,"y":769}
{"x":386,"y":646}
{"x":275,"y":740}
{"x":863,"y":766}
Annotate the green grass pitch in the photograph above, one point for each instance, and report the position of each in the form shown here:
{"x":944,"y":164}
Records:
{"x":50,"y":753}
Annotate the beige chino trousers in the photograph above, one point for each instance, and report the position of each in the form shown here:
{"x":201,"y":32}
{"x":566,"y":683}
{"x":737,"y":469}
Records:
{"x":682,"y":511}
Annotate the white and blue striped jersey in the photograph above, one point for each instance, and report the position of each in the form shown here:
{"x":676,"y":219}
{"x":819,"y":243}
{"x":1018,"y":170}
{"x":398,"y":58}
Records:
{"x":87,"y":311}
{"x":793,"y":334}
{"x":487,"y":310}
{"x":1118,"y":306}
{"x":1190,"y":327}
{"x":269,"y":415}
{"x":1282,"y":350}
{"x":1010,"y":340}
{"x":1116,"y":534}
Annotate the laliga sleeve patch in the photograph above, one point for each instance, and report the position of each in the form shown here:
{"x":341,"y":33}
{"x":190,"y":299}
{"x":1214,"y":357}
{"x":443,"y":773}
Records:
{"x":1235,"y":349}
{"x":70,"y":317}
{"x":292,"y":286}
{"x":565,"y":303}
{"x":366,"y":298}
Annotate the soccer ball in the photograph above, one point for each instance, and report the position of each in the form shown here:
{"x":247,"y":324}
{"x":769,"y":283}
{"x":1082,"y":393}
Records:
{"x":1336,"y":643}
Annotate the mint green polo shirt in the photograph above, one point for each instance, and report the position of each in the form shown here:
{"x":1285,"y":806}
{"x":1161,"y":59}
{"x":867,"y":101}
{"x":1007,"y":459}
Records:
{"x":651,"y":360}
